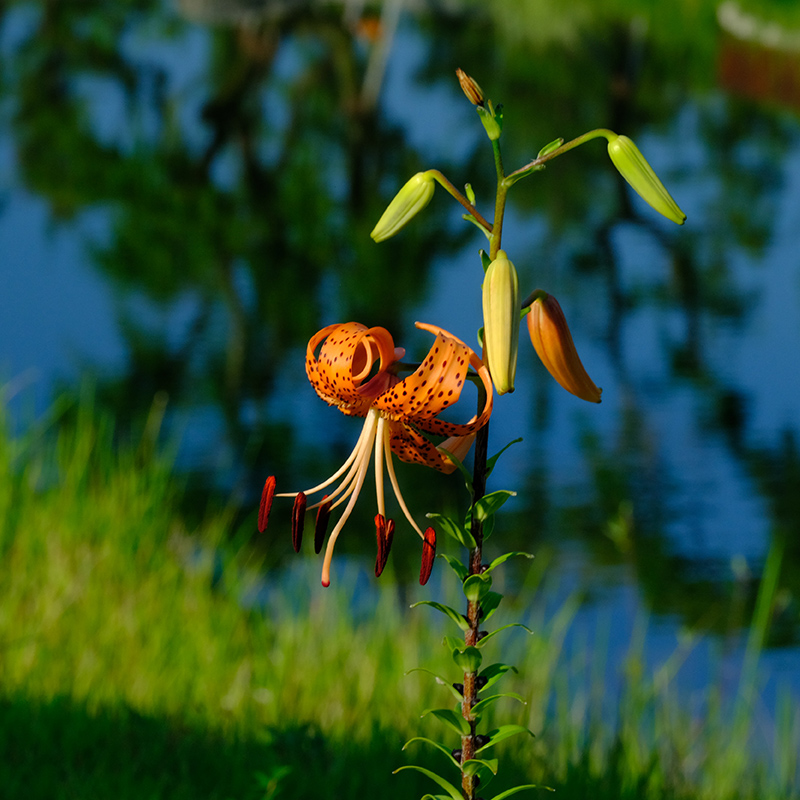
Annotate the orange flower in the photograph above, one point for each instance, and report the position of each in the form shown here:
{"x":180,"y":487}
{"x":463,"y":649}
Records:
{"x":356,"y":370}
{"x":553,"y":343}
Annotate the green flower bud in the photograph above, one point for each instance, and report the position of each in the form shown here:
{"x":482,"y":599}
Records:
{"x":408,"y":202}
{"x":501,"y":322}
{"x":639,"y":174}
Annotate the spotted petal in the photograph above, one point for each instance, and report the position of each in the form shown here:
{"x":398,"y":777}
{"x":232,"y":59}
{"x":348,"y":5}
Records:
{"x":435,"y":386}
{"x":352,"y":365}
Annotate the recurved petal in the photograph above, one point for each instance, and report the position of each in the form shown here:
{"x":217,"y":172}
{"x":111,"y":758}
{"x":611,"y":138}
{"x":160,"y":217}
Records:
{"x":411,"y":446}
{"x":436,"y":385}
{"x":351,"y":367}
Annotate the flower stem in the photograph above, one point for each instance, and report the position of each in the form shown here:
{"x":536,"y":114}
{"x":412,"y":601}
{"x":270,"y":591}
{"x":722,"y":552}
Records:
{"x":440,"y":178}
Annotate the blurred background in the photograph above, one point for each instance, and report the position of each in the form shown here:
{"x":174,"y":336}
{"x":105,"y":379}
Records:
{"x":186,"y":194}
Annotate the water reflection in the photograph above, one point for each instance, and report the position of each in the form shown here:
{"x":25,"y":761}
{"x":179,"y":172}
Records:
{"x":238,"y":167}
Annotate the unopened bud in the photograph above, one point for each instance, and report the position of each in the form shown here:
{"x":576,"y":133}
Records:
{"x":407,"y":203}
{"x":553,"y":343}
{"x":471,"y":89}
{"x":633,"y":166}
{"x":501,"y":322}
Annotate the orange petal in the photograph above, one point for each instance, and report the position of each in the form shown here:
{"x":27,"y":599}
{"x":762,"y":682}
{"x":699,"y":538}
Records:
{"x":351,"y":366}
{"x":411,"y":446}
{"x":436,"y":385}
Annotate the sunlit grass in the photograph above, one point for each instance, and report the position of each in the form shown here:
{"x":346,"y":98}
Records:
{"x":139,"y":658}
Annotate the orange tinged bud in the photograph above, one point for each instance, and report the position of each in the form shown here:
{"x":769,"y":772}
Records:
{"x":471,"y":89}
{"x":553,"y":343}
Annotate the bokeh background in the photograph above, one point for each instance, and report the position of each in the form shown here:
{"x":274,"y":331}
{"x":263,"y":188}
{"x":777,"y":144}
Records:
{"x":186,"y":194}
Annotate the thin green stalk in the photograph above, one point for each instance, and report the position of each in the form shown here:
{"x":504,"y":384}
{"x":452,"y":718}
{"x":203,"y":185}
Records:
{"x":440,"y":178}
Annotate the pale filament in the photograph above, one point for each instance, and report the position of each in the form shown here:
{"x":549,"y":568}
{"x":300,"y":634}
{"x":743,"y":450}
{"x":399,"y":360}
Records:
{"x":355,"y":490}
{"x":366,"y":433}
{"x":395,"y":485}
{"x":380,"y":437}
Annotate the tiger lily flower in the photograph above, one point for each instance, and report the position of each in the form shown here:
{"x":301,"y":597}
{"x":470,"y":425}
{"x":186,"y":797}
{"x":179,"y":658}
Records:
{"x":356,"y":370}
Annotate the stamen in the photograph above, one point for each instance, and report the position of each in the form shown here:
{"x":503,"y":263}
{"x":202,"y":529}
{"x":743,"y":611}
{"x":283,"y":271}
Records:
{"x":395,"y":485}
{"x":321,"y":524}
{"x":428,"y":555}
{"x":348,"y":484}
{"x":354,"y":491}
{"x":266,"y":503}
{"x":298,"y":520}
{"x":379,"y":448}
{"x":384,"y":533}
{"x":339,"y":472}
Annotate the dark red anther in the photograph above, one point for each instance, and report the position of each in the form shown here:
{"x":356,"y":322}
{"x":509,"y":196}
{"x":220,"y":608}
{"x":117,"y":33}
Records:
{"x":266,"y":503}
{"x":321,"y":525}
{"x":428,"y":554}
{"x":298,"y":520}
{"x":384,"y":533}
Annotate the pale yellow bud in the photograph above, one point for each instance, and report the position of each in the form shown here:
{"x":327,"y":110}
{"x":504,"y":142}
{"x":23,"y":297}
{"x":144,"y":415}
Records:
{"x":501,"y":313}
{"x":553,"y":343}
{"x":408,"y":202}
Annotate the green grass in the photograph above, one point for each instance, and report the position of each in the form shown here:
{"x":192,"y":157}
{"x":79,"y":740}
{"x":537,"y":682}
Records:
{"x":131,"y":665}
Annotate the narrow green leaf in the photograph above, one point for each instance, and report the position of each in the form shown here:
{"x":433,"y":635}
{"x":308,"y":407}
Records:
{"x":476,"y":586}
{"x":451,"y":528}
{"x":438,"y":745}
{"x":501,"y":733}
{"x":449,"y":718}
{"x":451,"y":643}
{"x":461,"y":468}
{"x":440,"y":680}
{"x":489,"y":604}
{"x":494,"y":633}
{"x":471,"y":766}
{"x":469,"y":659}
{"x":455,"y":565}
{"x":490,"y":503}
{"x":494,"y":672}
{"x":451,"y":790}
{"x":509,"y":792}
{"x":493,"y":460}
{"x":485,"y":260}
{"x":482,"y":705}
{"x":447,"y":611}
{"x":502,"y":559}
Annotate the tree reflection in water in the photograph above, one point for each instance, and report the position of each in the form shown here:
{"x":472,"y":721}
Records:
{"x":242,"y":162}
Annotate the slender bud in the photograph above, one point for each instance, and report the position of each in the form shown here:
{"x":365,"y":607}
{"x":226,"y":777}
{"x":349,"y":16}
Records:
{"x":633,"y":166}
{"x":428,"y":555}
{"x":553,"y":343}
{"x":267,"y":494}
{"x":471,"y":89}
{"x":321,"y":523}
{"x":298,"y":520}
{"x":501,"y":322}
{"x":408,"y":202}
